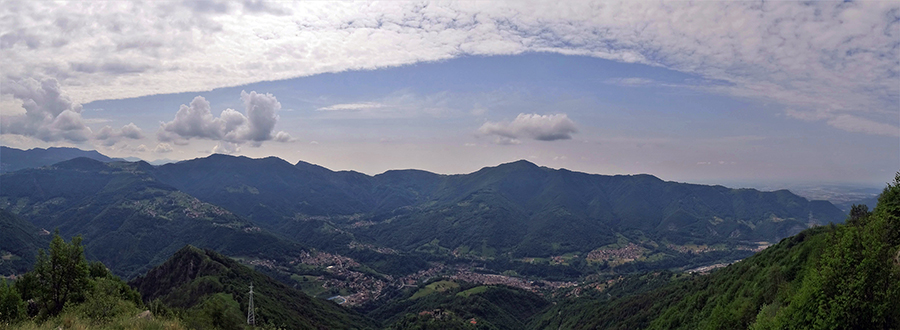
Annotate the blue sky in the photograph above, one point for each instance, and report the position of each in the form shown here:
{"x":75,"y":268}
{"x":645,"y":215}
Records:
{"x":716,"y":92}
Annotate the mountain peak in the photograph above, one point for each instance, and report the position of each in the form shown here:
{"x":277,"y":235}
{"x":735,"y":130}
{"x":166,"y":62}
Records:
{"x":311,"y":167}
{"x":81,"y":163}
{"x":513,"y":167}
{"x":519,"y":164}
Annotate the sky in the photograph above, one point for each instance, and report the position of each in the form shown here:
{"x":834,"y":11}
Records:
{"x":736,"y":93}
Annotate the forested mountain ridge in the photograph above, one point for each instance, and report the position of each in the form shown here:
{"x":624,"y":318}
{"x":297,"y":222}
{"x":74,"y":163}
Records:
{"x":507,"y":208}
{"x":129,"y":220}
{"x":12,"y":159}
{"x":518,"y":219}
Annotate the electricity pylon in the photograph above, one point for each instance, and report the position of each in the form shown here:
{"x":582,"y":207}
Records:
{"x":251,"y":316}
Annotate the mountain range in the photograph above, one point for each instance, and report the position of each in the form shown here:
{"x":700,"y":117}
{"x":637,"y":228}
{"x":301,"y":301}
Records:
{"x":12,"y":159}
{"x":517,"y":208}
{"x":507,"y":247}
{"x":134,"y":215}
{"x":128,"y":220}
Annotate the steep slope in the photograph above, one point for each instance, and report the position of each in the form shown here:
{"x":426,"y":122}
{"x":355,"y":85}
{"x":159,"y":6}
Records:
{"x":12,"y":159}
{"x":266,"y":190}
{"x":192,"y":278}
{"x":447,"y":304}
{"x":19,"y":244}
{"x":831,"y":277}
{"x":129,"y":220}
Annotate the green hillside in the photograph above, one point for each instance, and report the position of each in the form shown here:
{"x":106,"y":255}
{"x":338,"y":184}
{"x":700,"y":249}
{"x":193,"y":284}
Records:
{"x":19,"y":244}
{"x":130,"y":221}
{"x":534,"y":211}
{"x":832,"y":277}
{"x":447,"y":304}
{"x":508,"y":213}
{"x":196,"y":280}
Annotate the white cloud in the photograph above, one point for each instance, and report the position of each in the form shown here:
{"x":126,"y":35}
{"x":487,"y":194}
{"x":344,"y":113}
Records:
{"x":806,"y":115}
{"x":110,"y":136}
{"x":50,"y":115}
{"x":283,"y":136}
{"x":162,"y":148}
{"x":846,"y":122}
{"x":227,"y":148}
{"x":533,"y":126}
{"x":131,"y":131}
{"x":352,"y":106}
{"x":856,"y":124}
{"x":197,"y":121}
{"x":261,"y":116}
{"x":836,"y":56}
{"x":630,"y":82}
{"x":502,"y":140}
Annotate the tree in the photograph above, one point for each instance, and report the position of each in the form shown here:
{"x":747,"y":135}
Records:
{"x":62,"y":275}
{"x":858,"y":214}
{"x":12,"y":308}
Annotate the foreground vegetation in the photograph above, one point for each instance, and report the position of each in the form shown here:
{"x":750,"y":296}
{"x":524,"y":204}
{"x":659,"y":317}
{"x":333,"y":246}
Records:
{"x":195,"y":289}
{"x":65,"y":291}
{"x":831,"y":277}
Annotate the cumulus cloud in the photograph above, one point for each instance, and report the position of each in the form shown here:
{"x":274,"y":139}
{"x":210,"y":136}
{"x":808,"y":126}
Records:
{"x":50,"y":115}
{"x":162,"y":148}
{"x":532,"y":126}
{"x":283,"y":136}
{"x":226,"y":148}
{"x":110,"y":136}
{"x":836,"y":56}
{"x":197,"y":121}
{"x":261,"y":115}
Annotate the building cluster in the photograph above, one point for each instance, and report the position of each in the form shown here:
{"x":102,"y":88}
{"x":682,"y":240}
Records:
{"x":694,"y":248}
{"x":325,"y":259}
{"x":268,"y":263}
{"x":360,"y":246}
{"x":628,"y":253}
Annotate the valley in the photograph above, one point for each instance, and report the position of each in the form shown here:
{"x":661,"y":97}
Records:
{"x":399,"y":248}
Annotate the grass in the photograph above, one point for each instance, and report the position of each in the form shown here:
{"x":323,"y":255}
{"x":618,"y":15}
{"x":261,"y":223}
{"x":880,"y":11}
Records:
{"x":79,"y":322}
{"x":439,"y":286}
{"x":311,"y":286}
{"x":475,"y":290}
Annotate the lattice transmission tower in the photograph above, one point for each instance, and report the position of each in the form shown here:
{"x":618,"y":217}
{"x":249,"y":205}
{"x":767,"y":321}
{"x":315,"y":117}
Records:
{"x":251,"y":316}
